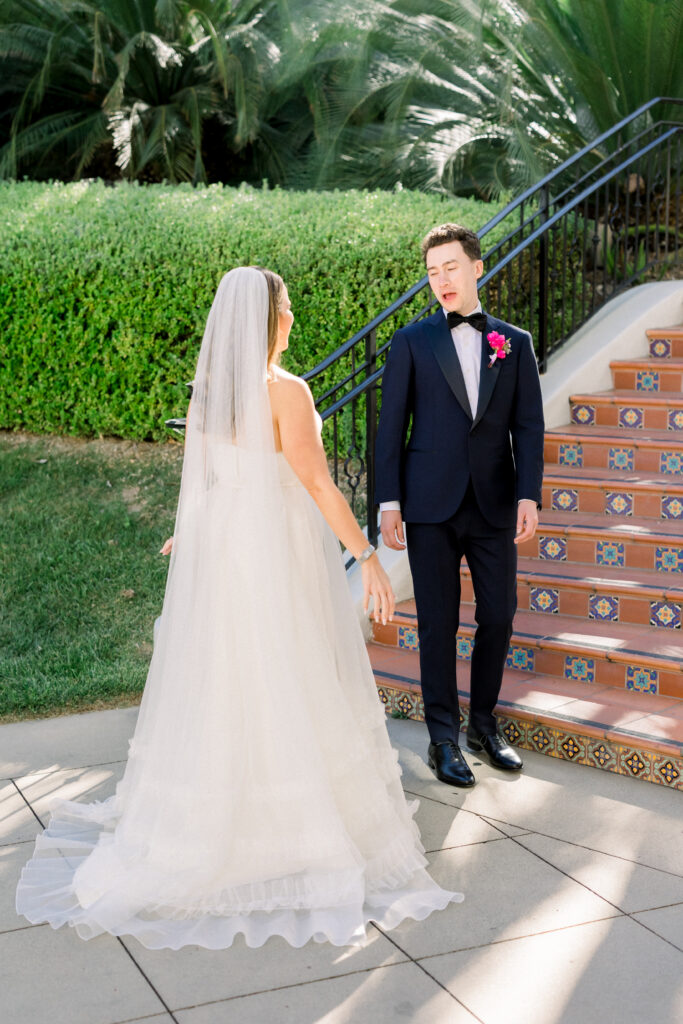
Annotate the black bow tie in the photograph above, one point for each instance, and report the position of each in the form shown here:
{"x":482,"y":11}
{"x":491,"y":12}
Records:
{"x":476,"y":320}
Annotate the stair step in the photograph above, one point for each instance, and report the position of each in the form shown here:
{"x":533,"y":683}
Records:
{"x":619,"y":493}
{"x":666,"y":342}
{"x":618,"y":595}
{"x":648,"y":375}
{"x":608,"y":542}
{"x":628,"y":410}
{"x":630,"y":733}
{"x":631,"y":657}
{"x":661,"y":451}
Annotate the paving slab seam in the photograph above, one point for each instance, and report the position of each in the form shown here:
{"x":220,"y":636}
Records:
{"x":63,"y":768}
{"x":154,"y":989}
{"x":463,"y":846}
{"x":428,"y":973}
{"x":624,"y":913}
{"x":592,"y":849}
{"x":461,"y":810}
{"x":520,"y":938}
{"x":297,"y":984}
{"x":26,"y":801}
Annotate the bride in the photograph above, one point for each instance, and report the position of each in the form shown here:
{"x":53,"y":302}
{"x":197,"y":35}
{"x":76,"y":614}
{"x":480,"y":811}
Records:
{"x":261,"y":794}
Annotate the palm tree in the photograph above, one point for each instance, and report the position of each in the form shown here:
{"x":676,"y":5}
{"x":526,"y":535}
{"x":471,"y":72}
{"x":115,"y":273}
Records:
{"x":92,"y":83}
{"x":483,"y":96}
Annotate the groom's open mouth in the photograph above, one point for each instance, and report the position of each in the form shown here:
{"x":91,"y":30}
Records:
{"x":448,"y":296}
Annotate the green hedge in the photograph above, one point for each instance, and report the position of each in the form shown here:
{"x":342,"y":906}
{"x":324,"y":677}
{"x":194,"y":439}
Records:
{"x":104,"y":291}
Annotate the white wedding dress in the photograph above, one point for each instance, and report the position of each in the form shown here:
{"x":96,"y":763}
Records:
{"x":261,"y":794}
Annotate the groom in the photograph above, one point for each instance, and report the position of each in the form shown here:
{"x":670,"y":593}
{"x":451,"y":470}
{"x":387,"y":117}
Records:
{"x":468,"y":482}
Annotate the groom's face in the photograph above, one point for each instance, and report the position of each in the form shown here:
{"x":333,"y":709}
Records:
{"x":453,"y":277}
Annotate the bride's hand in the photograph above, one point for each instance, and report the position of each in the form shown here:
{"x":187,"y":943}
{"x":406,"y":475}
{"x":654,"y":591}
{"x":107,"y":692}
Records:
{"x":167,"y":548}
{"x":376,"y":585}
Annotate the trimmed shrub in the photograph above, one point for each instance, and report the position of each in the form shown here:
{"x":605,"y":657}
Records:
{"x":104,"y":291}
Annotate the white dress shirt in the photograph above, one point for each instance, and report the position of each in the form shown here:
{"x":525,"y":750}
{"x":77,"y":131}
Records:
{"x":467,"y":341}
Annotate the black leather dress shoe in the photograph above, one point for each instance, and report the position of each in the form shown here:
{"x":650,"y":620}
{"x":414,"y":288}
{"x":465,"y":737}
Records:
{"x":499,"y":753}
{"x":446,"y":761}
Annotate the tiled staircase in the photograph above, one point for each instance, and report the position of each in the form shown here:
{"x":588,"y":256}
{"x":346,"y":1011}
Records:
{"x":595,"y":668}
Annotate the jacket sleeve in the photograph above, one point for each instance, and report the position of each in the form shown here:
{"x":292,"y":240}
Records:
{"x":528,"y":426}
{"x":397,"y":388}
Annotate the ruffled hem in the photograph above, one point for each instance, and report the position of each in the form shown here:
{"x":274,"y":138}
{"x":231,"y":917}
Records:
{"x":391,"y":888}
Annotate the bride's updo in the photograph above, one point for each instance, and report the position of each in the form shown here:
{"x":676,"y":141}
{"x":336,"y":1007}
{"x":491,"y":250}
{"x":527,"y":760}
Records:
{"x":276,"y":290}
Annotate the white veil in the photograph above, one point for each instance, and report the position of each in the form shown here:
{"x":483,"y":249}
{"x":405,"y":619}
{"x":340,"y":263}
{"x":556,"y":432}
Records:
{"x":261,"y":794}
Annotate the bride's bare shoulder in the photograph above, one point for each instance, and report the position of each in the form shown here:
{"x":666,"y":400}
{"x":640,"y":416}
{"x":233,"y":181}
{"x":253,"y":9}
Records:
{"x":287,"y":390}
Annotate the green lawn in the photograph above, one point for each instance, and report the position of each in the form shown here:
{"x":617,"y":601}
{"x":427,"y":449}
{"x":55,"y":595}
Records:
{"x":81,"y":524}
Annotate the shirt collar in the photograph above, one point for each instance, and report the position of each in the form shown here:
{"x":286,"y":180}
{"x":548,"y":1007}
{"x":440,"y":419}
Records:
{"x":477,"y":309}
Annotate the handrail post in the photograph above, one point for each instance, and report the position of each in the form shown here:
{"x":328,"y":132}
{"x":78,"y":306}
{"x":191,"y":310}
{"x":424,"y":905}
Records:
{"x":544,"y":200}
{"x":371,"y":434}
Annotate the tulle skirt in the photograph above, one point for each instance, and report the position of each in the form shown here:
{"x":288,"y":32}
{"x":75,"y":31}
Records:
{"x":264,"y":800}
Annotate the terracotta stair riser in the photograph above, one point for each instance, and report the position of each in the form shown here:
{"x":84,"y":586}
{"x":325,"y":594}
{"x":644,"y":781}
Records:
{"x":605,"y":552}
{"x":623,"y":454}
{"x":652,"y":378}
{"x":671,"y":349}
{"x":546,"y":658}
{"x":604,"y":605}
{"x":667,"y":414}
{"x":618,"y":500}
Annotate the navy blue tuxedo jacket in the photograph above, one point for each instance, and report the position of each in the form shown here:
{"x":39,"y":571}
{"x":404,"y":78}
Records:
{"x":501,"y":449}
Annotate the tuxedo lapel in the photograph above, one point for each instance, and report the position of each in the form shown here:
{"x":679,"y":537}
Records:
{"x":488,"y":375}
{"x":447,"y":358}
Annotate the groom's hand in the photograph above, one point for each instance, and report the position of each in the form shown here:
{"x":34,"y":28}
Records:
{"x":392,"y":530}
{"x":527,"y":520}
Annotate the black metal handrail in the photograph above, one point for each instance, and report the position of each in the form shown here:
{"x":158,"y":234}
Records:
{"x":560,"y":250}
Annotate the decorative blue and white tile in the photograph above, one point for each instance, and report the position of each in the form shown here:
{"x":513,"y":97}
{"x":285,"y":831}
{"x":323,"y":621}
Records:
{"x":544,"y":599}
{"x":669,"y":559}
{"x":464,"y":645}
{"x":671,"y":462}
{"x":642,"y":680}
{"x":672,"y":507}
{"x":583,"y":414}
{"x":631,"y":418}
{"x":564,"y":499}
{"x":647,"y":380}
{"x":610,"y":552}
{"x":665,"y":613}
{"x":603,"y":607}
{"x":621,"y":458}
{"x":581,"y":669}
{"x":571,"y":455}
{"x":553,"y":548}
{"x":619,"y":504}
{"x":408,"y":638}
{"x":660,"y":348}
{"x":675,"y":419}
{"x":521,"y":658}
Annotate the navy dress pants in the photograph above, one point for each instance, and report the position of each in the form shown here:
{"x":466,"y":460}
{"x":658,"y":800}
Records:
{"x":435,"y":551}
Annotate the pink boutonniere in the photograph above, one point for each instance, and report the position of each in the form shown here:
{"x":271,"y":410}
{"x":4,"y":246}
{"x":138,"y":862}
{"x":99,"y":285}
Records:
{"x":500,"y":345}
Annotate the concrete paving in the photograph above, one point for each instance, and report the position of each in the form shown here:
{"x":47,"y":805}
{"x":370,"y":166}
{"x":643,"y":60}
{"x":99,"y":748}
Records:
{"x":573,"y":911}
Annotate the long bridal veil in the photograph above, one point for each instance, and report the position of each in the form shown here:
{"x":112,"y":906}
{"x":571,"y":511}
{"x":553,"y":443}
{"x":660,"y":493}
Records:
{"x":261,"y":794}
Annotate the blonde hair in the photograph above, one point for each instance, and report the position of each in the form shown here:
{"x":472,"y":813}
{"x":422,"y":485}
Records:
{"x":276,"y":290}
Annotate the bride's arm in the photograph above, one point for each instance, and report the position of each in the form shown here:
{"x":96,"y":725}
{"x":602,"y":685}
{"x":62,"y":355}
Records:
{"x":294,"y":412}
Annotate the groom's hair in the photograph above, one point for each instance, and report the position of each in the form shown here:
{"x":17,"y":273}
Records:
{"x":452,"y":233}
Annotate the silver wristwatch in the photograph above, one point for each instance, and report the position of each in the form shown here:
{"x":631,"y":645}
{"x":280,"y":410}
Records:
{"x":370,"y":550}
